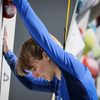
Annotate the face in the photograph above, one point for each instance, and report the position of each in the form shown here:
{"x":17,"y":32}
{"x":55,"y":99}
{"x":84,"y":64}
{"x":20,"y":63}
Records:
{"x":43,"y":68}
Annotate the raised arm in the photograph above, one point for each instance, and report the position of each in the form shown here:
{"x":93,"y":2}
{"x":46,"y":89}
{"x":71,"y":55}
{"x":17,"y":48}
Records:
{"x":40,"y":34}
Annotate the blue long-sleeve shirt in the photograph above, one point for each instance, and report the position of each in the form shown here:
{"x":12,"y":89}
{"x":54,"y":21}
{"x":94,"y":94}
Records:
{"x":76,"y":81}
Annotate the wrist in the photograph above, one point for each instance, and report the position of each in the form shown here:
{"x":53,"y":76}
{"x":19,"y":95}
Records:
{"x":5,"y":50}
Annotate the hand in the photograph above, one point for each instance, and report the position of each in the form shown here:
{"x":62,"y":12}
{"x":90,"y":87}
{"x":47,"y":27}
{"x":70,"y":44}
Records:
{"x":9,"y":9}
{"x":5,"y":42}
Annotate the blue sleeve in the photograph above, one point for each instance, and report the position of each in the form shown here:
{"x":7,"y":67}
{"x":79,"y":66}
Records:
{"x":29,"y":81}
{"x":38,"y":31}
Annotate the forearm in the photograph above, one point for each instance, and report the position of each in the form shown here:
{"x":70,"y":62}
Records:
{"x":11,"y":59}
{"x":38,"y":84}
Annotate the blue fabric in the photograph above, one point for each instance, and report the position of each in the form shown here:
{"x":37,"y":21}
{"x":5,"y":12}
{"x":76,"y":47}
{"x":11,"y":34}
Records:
{"x":76,"y":82}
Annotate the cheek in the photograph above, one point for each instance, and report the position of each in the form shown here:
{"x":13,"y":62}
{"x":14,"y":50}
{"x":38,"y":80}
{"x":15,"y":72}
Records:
{"x":43,"y":67}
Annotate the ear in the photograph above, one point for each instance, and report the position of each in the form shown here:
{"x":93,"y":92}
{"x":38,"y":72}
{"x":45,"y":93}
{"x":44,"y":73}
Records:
{"x":45,"y":56}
